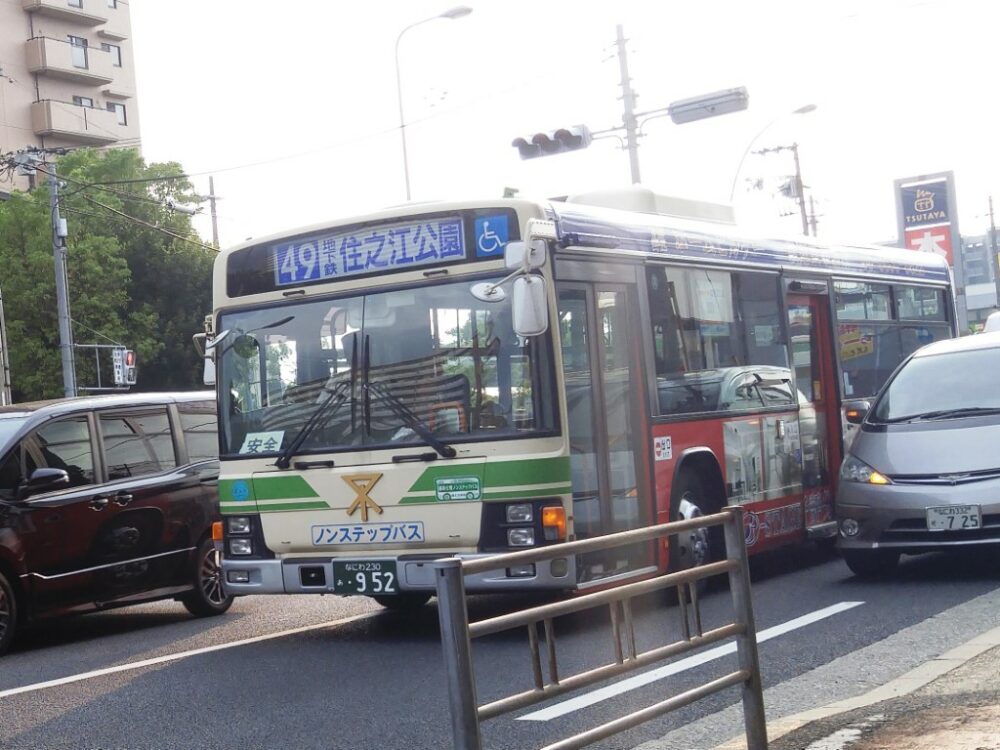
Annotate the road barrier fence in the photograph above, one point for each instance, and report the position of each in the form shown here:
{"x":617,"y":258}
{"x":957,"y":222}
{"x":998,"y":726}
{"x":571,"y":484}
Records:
{"x":457,"y":633}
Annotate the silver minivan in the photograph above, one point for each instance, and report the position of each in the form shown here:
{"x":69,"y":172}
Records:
{"x":923,"y":471}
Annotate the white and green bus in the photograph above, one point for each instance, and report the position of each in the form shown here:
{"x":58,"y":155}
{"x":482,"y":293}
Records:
{"x":471,"y":378}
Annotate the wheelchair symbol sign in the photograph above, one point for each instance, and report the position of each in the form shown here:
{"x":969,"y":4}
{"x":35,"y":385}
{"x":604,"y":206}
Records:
{"x":491,"y":236}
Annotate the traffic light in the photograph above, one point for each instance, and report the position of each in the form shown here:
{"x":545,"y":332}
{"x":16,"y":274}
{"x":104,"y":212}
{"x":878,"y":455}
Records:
{"x":553,"y":142}
{"x":130,"y":369}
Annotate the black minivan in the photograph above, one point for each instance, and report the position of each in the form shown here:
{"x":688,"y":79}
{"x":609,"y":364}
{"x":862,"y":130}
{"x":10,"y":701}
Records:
{"x":107,"y":501}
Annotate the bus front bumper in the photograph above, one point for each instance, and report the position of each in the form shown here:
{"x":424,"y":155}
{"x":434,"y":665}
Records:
{"x":414,"y":574}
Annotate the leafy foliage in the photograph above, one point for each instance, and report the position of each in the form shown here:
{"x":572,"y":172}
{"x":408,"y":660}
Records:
{"x":128,"y":282}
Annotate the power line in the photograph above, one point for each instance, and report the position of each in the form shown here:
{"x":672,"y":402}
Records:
{"x":119,"y":193}
{"x":150,"y":226}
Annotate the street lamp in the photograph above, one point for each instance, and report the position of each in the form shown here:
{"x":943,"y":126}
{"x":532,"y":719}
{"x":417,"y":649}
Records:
{"x":459,"y":11}
{"x":805,"y":109}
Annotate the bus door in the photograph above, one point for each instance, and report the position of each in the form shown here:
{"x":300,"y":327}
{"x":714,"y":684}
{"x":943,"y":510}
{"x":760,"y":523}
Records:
{"x":605,"y":404}
{"x":813,"y":362}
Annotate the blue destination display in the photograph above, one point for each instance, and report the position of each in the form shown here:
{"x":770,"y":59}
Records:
{"x":391,"y":247}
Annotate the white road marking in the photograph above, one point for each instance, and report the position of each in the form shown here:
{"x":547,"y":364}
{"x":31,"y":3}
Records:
{"x":177,"y":656}
{"x":596,"y":696}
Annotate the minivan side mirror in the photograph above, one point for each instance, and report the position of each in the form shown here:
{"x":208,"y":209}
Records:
{"x":856,"y":411}
{"x":43,"y":480}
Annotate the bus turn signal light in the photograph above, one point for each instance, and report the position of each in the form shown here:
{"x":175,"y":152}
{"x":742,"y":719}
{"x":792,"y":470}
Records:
{"x":554,"y":522}
{"x":217,"y":531}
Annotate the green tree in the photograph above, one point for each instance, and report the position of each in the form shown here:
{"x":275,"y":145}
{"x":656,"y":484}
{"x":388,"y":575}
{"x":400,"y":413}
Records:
{"x":137,"y":273}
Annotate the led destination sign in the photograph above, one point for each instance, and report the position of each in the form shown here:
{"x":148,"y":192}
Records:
{"x":392,"y":247}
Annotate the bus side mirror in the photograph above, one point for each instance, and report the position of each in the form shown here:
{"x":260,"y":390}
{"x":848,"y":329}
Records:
{"x":529,"y":306}
{"x":856,"y":411}
{"x":517,"y":256}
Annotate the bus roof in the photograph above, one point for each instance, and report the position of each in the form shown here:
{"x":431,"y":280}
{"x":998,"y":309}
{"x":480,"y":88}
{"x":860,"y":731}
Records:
{"x":586,"y":226}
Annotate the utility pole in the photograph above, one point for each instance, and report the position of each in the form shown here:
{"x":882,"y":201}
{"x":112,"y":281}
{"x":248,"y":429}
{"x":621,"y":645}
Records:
{"x":799,"y":189}
{"x":996,"y":255}
{"x":62,"y":286}
{"x":5,"y":398}
{"x":797,"y":185}
{"x":215,"y":216}
{"x":628,"y":99}
{"x":812,"y":215}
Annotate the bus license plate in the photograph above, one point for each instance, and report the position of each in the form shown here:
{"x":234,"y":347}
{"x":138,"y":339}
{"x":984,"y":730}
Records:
{"x":367,"y":577}
{"x":954,"y":518}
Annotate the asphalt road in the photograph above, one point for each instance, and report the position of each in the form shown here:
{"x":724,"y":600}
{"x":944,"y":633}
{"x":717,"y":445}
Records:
{"x":312,"y":672}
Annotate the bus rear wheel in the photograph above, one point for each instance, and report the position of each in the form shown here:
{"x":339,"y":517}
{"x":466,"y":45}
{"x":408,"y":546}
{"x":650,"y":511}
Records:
{"x":693,"y":548}
{"x":403,"y":602}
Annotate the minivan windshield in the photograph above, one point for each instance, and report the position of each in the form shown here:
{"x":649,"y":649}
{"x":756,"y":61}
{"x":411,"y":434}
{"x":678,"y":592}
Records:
{"x":943,"y":386}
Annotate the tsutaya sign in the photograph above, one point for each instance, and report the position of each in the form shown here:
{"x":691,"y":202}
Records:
{"x":926,"y":209}
{"x":928,"y":222}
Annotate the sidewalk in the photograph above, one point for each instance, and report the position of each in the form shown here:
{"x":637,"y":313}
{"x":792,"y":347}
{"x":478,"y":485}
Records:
{"x":951,"y":702}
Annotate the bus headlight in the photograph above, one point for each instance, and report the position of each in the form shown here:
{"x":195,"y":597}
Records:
{"x":521,"y":537}
{"x":240,"y":547}
{"x":238,"y":524}
{"x":520,"y":513}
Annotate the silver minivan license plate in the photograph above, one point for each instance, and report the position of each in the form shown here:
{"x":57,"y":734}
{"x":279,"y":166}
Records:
{"x":954,"y":518}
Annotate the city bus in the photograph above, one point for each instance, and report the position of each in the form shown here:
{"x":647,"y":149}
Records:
{"x":473,"y":378}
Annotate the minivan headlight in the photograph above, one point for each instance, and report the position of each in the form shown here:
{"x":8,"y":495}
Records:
{"x":855,"y":470}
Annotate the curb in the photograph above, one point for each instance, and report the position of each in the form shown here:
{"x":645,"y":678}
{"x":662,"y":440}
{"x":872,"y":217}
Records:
{"x":905,"y":684}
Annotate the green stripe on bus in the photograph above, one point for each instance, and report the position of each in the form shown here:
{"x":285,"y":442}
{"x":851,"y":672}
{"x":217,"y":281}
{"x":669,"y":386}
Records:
{"x":245,"y":492}
{"x":531,"y":471}
{"x":282,"y":488}
{"x":499,"y":473}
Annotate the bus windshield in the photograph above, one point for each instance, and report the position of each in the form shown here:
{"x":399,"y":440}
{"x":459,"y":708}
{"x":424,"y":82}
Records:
{"x":380,"y":369}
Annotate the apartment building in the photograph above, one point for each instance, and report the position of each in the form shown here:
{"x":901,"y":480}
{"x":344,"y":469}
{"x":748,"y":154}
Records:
{"x":67,"y":77}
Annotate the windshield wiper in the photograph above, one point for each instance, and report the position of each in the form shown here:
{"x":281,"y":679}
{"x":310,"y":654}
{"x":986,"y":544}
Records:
{"x":333,"y":401}
{"x":968,"y":411}
{"x":409,"y":418}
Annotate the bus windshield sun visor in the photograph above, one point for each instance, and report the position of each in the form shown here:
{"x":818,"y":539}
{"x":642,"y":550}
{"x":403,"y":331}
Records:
{"x":407,"y":417}
{"x":327,"y":408}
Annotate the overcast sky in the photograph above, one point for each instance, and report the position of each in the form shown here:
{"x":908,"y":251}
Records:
{"x":295,"y":111}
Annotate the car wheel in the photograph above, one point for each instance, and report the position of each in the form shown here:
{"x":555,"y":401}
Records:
{"x":208,"y":597}
{"x":869,"y":564}
{"x":403,"y":602}
{"x":8,"y":614}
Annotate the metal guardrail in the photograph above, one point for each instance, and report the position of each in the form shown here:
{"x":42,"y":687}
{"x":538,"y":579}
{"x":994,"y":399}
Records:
{"x":457,"y":634}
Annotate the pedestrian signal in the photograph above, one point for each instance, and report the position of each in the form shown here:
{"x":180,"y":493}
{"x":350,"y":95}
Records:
{"x":129,"y":362}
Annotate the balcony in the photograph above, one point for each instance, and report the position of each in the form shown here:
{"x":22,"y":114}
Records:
{"x":117,"y":27}
{"x":82,"y":124}
{"x":60,"y":59}
{"x":61,"y":9}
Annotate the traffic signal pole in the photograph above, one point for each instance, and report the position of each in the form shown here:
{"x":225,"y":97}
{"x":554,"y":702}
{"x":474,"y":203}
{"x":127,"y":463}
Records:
{"x":62,"y":287}
{"x":681,"y":111}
